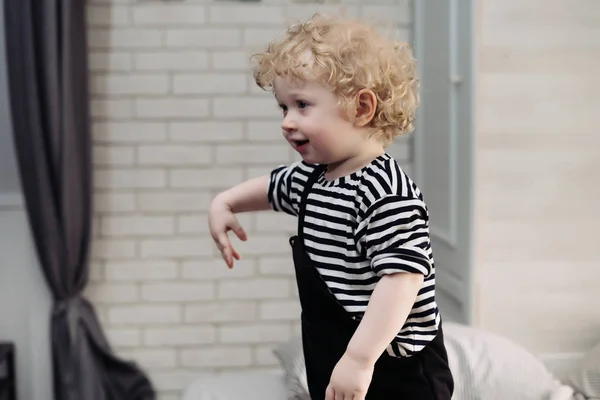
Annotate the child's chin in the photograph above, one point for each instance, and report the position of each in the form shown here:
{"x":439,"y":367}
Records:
{"x":310,"y":159}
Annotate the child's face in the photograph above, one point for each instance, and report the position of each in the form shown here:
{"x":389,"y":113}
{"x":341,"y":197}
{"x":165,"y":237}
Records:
{"x":313,"y":122}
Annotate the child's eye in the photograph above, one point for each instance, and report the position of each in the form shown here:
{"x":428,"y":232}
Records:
{"x":302,"y":104}
{"x":283,"y":107}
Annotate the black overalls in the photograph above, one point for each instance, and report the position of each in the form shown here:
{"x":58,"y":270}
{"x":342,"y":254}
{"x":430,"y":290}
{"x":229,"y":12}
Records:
{"x":327,"y":329}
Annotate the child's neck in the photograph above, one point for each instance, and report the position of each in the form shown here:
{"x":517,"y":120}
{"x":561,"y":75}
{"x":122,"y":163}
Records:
{"x":367,"y":154}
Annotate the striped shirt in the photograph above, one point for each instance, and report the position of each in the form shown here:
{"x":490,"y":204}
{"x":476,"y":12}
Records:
{"x":361,"y":227}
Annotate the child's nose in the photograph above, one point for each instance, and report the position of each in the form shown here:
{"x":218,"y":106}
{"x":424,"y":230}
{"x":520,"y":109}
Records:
{"x":289,"y":124}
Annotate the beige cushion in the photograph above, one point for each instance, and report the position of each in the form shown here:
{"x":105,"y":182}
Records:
{"x":585,"y":377}
{"x":485,"y":367}
{"x":291,"y":358}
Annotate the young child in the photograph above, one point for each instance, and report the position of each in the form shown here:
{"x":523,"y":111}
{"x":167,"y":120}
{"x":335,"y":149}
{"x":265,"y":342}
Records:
{"x":371,"y":328}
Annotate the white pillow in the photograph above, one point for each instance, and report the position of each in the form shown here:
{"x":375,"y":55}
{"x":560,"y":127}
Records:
{"x":291,"y":358}
{"x":585,"y":378}
{"x":485,"y":366}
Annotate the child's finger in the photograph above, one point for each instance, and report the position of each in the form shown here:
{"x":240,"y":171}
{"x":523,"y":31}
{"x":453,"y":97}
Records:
{"x":226,"y":249}
{"x":239,"y":231}
{"x":329,"y":393}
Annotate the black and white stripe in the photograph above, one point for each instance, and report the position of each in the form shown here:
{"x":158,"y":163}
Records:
{"x":361,"y":227}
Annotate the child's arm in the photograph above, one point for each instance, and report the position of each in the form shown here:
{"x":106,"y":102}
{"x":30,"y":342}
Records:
{"x":251,"y":195}
{"x":394,"y":234}
{"x":388,"y":309}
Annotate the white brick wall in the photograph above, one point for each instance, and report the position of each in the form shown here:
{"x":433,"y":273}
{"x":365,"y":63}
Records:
{"x":177,"y":118}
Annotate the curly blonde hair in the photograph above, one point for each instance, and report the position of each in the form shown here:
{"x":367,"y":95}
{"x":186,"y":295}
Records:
{"x":347,"y":56}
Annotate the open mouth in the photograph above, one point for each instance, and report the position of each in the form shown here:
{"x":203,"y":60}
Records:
{"x":299,"y":143}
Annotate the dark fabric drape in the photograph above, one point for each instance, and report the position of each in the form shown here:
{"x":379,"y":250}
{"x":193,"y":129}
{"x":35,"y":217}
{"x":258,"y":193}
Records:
{"x":48,"y":82}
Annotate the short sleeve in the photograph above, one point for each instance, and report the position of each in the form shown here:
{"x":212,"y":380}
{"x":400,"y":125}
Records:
{"x":285,"y":187}
{"x":394,"y":235}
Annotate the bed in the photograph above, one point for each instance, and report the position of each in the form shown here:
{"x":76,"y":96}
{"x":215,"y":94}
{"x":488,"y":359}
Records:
{"x":485,"y":367}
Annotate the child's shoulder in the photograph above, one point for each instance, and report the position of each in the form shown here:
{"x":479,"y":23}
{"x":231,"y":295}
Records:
{"x":385,"y":177}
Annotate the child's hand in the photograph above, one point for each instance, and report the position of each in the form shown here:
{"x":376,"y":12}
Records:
{"x":350,"y":379}
{"x":221,"y":220}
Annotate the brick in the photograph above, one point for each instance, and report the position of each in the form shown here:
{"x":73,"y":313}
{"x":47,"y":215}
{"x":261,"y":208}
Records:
{"x":256,"y":171}
{"x":259,"y":288}
{"x":123,"y":337}
{"x":129,"y":178}
{"x":388,"y":15}
{"x":242,"y":14}
{"x":111,"y":293}
{"x":176,"y":248}
{"x":261,"y":244}
{"x":230,"y":61}
{"x":245,"y":107}
{"x":210,"y":178}
{"x":280,"y":310}
{"x":178,"y":292}
{"x":294,"y":289}
{"x":203,"y":38}
{"x":136,"y":270}
{"x":109,"y":249}
{"x":171,"y":395}
{"x":206,"y":83}
{"x":103,"y":16}
{"x":209,"y":131}
{"x":192,"y":224}
{"x":151,"y":359}
{"x":269,"y":221}
{"x":171,"y":61}
{"x":144,"y":314}
{"x":283,"y":266}
{"x":216,"y":269}
{"x":124,"y":38}
{"x":113,"y":155}
{"x":129,"y":132}
{"x":114,"y":202}
{"x":137,"y":225}
{"x":259,"y":38}
{"x":177,"y":379}
{"x":221,"y":311}
{"x":96,"y":271}
{"x":261,"y":131}
{"x":105,"y":61}
{"x":171,"y":108}
{"x":301,"y":12}
{"x":259,"y":92}
{"x":111,"y":108}
{"x":251,"y":154}
{"x":264,"y":356}
{"x":254,"y":333}
{"x":130,"y":84}
{"x":173,"y":201}
{"x":198,"y":223}
{"x":297,"y":328}
{"x":170,"y":155}
{"x":168,"y":15}
{"x":180,"y":336}
{"x":217,"y":356}
{"x":102,"y":314}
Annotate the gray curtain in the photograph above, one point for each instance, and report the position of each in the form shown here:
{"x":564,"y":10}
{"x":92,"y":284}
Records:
{"x":48,"y":84}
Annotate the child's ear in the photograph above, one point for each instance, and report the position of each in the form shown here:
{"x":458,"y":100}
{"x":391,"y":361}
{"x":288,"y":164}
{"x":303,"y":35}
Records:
{"x":366,"y":103}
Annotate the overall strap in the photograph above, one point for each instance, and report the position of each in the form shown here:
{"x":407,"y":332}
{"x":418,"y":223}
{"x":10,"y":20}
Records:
{"x":312,"y":178}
